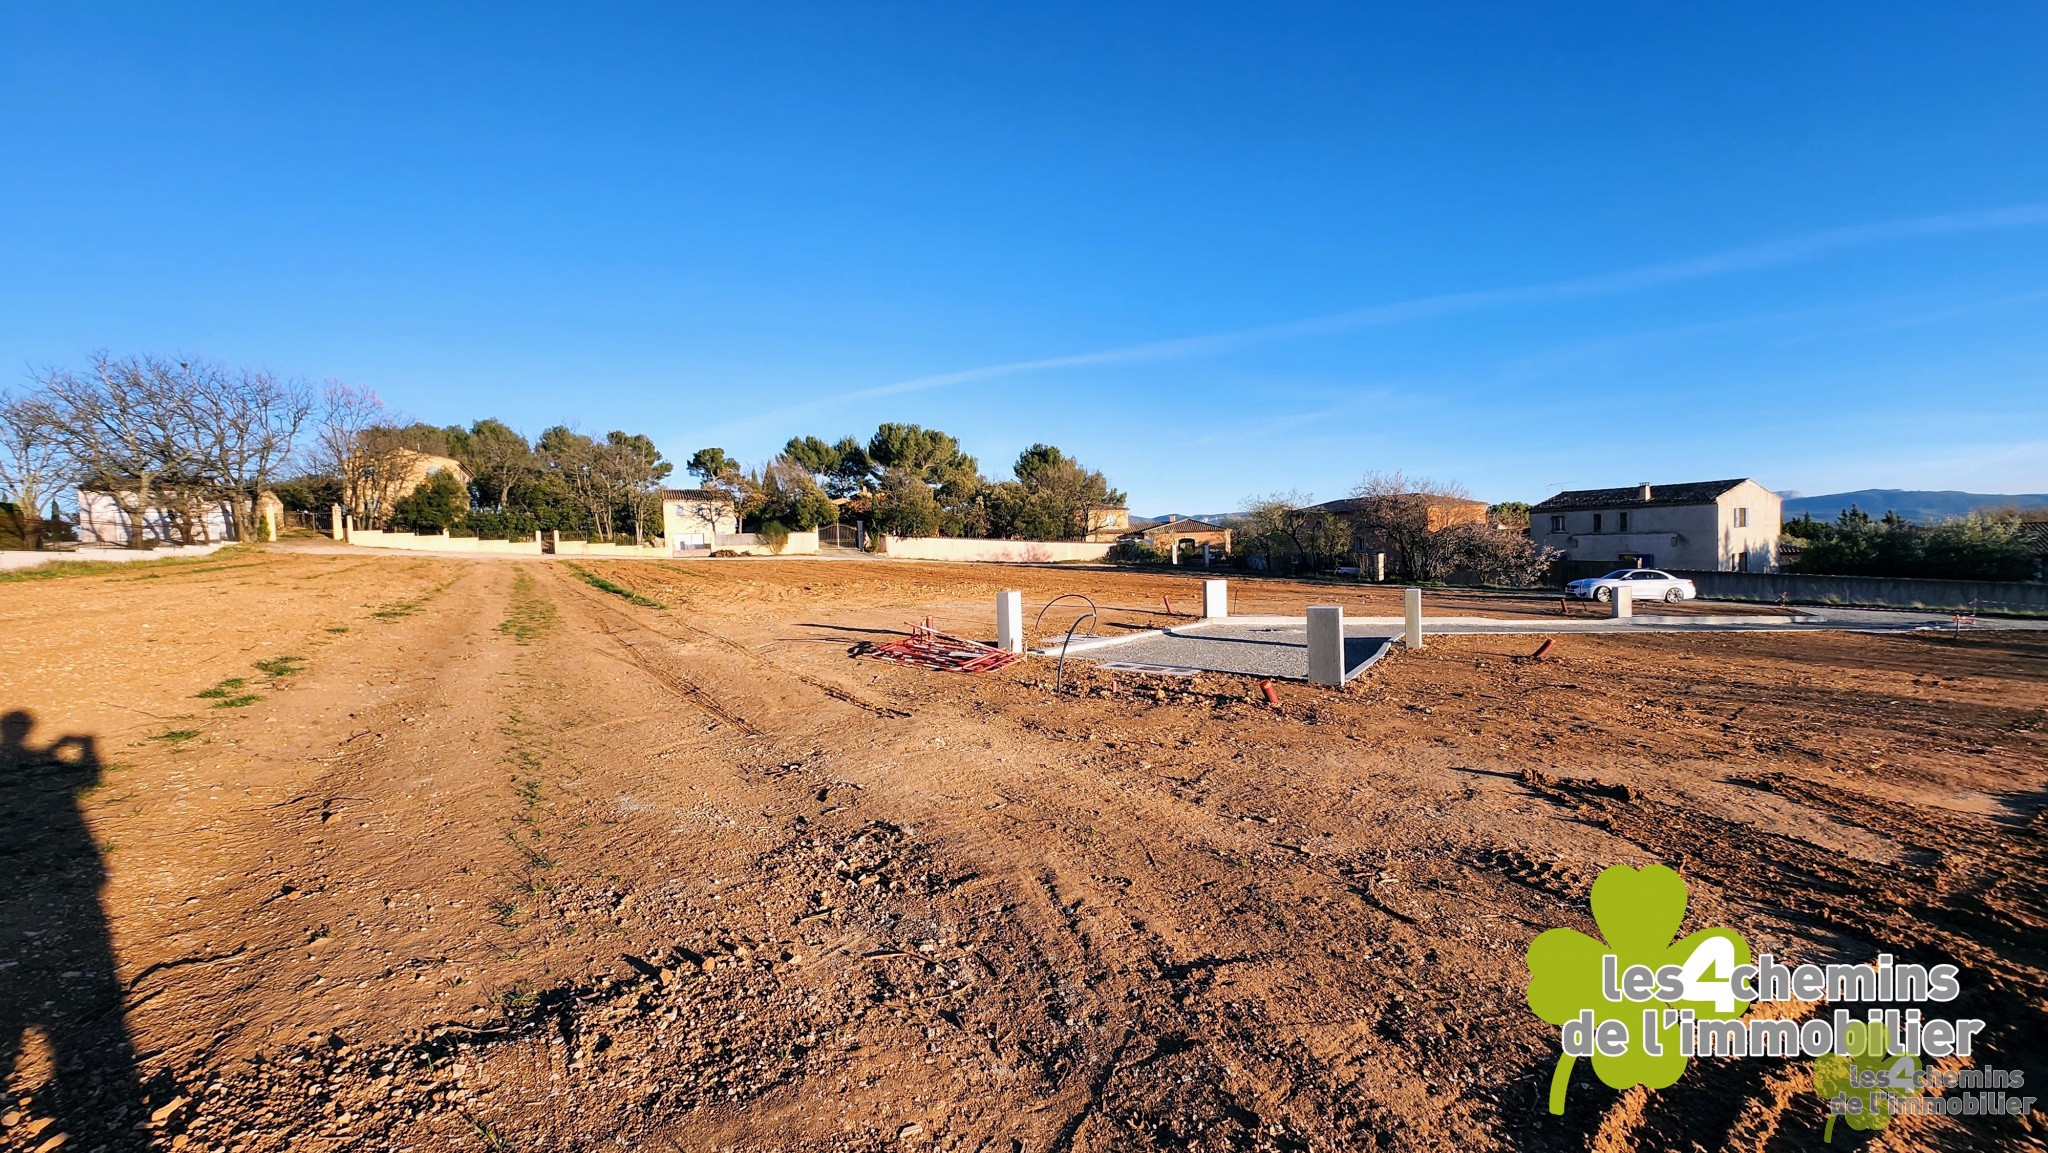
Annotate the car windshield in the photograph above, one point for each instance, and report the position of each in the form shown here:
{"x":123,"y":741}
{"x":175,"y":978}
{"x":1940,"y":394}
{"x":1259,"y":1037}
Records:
{"x":1618,"y":574}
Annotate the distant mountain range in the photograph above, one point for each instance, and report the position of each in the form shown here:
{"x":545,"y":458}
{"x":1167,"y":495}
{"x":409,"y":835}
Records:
{"x":1923,"y":505}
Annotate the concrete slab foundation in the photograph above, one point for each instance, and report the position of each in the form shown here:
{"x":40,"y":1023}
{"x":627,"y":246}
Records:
{"x":1276,"y":647}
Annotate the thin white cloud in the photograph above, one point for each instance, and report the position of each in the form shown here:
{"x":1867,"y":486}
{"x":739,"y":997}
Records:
{"x":1750,"y":257}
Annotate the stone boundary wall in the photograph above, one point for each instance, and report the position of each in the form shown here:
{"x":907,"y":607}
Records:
{"x":1010,"y":551}
{"x":438,"y":542}
{"x":1883,"y":592}
{"x":16,"y":559}
{"x":750,"y":544}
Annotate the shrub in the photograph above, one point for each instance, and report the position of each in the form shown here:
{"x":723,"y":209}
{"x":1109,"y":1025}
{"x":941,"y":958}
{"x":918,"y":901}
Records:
{"x":775,"y":535}
{"x":503,"y":524}
{"x":438,"y":503}
{"x":1973,"y":547}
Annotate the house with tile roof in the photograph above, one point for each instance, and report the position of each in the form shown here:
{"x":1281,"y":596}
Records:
{"x":1183,"y":536}
{"x":1704,"y":525}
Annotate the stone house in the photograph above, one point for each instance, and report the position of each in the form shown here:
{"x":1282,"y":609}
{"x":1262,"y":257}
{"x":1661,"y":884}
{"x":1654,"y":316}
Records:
{"x":694,"y":518}
{"x":1705,"y":525}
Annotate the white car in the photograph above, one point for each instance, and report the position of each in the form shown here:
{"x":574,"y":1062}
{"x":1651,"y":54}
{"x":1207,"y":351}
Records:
{"x":1643,"y":584}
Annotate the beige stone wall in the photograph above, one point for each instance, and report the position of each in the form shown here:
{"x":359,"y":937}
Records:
{"x":435,"y":542}
{"x":1012,"y":551}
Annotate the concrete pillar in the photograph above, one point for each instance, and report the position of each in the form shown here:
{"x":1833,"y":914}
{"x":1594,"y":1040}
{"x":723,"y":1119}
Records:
{"x":1621,"y":604}
{"x":1173,"y":552}
{"x":1326,"y":645}
{"x":1215,"y":600}
{"x":1379,"y":566}
{"x":554,"y":544}
{"x":536,"y":538}
{"x":269,"y":526}
{"x":348,"y":527}
{"x":1411,"y":611}
{"x":340,"y":530}
{"x":1010,"y":621}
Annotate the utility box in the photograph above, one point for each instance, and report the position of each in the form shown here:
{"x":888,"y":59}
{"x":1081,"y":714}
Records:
{"x":1326,"y":645}
{"x":1215,"y":600}
{"x":1010,"y":621}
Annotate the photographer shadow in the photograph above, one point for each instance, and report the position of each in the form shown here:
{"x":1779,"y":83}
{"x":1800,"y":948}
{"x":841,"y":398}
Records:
{"x":64,"y":1044}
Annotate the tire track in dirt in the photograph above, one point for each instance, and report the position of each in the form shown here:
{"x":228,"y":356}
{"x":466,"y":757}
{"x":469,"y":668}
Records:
{"x":754,"y":657}
{"x":617,"y":625}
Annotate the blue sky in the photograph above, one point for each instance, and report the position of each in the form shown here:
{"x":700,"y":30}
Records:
{"x":1215,"y":251}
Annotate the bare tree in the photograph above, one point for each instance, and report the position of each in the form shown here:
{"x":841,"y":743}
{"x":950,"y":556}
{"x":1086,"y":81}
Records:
{"x":1287,"y":525}
{"x":1400,"y":514}
{"x":246,"y":424}
{"x":346,"y":412}
{"x":357,"y":442}
{"x":31,"y":459}
{"x":124,"y":429}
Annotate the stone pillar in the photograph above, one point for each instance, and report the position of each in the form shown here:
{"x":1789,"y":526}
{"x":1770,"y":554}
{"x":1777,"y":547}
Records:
{"x":348,"y":527}
{"x":1621,"y":604}
{"x":554,"y":544}
{"x":269,"y":526}
{"x":1326,"y":645}
{"x":1010,"y":621}
{"x":1215,"y":600}
{"x":1379,"y":566}
{"x":1411,"y":612}
{"x":340,"y":529}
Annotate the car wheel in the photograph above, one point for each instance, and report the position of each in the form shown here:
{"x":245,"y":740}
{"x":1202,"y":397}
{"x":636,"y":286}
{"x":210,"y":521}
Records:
{"x":1672,"y":596}
{"x":1602,"y":593}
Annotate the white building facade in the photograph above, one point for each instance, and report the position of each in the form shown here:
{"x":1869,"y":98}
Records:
{"x":1710,"y":525}
{"x":693,"y":519}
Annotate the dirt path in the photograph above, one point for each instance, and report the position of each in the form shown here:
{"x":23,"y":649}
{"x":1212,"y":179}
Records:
{"x":513,"y":862}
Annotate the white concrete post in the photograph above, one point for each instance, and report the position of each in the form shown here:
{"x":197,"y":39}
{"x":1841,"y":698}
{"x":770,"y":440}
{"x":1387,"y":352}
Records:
{"x":1379,"y":566}
{"x":1326,"y":645}
{"x":1621,"y":604}
{"x":348,"y":527}
{"x":555,"y":541}
{"x":340,"y":530}
{"x":1411,"y":611}
{"x":269,"y":526}
{"x":1215,"y":600}
{"x":1010,"y":621}
{"x":536,"y":538}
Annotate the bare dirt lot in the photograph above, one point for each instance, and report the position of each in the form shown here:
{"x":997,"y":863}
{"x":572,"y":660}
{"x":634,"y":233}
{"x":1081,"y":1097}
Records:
{"x":387,"y":852}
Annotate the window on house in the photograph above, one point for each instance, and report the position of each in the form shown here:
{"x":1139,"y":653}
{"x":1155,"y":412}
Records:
{"x":1596,"y":522}
{"x":1741,"y":518}
{"x":1621,"y":522}
{"x":1557,"y":524}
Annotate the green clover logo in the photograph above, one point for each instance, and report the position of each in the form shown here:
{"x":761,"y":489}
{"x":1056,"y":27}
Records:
{"x":1638,"y":912}
{"x":1867,"y":1080}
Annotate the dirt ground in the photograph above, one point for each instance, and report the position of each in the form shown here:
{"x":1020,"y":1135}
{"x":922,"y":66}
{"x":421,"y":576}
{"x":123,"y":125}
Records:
{"x":476,"y":855}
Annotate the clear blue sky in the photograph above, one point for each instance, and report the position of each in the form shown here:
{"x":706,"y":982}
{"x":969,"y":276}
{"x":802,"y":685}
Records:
{"x":1214,"y":251}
